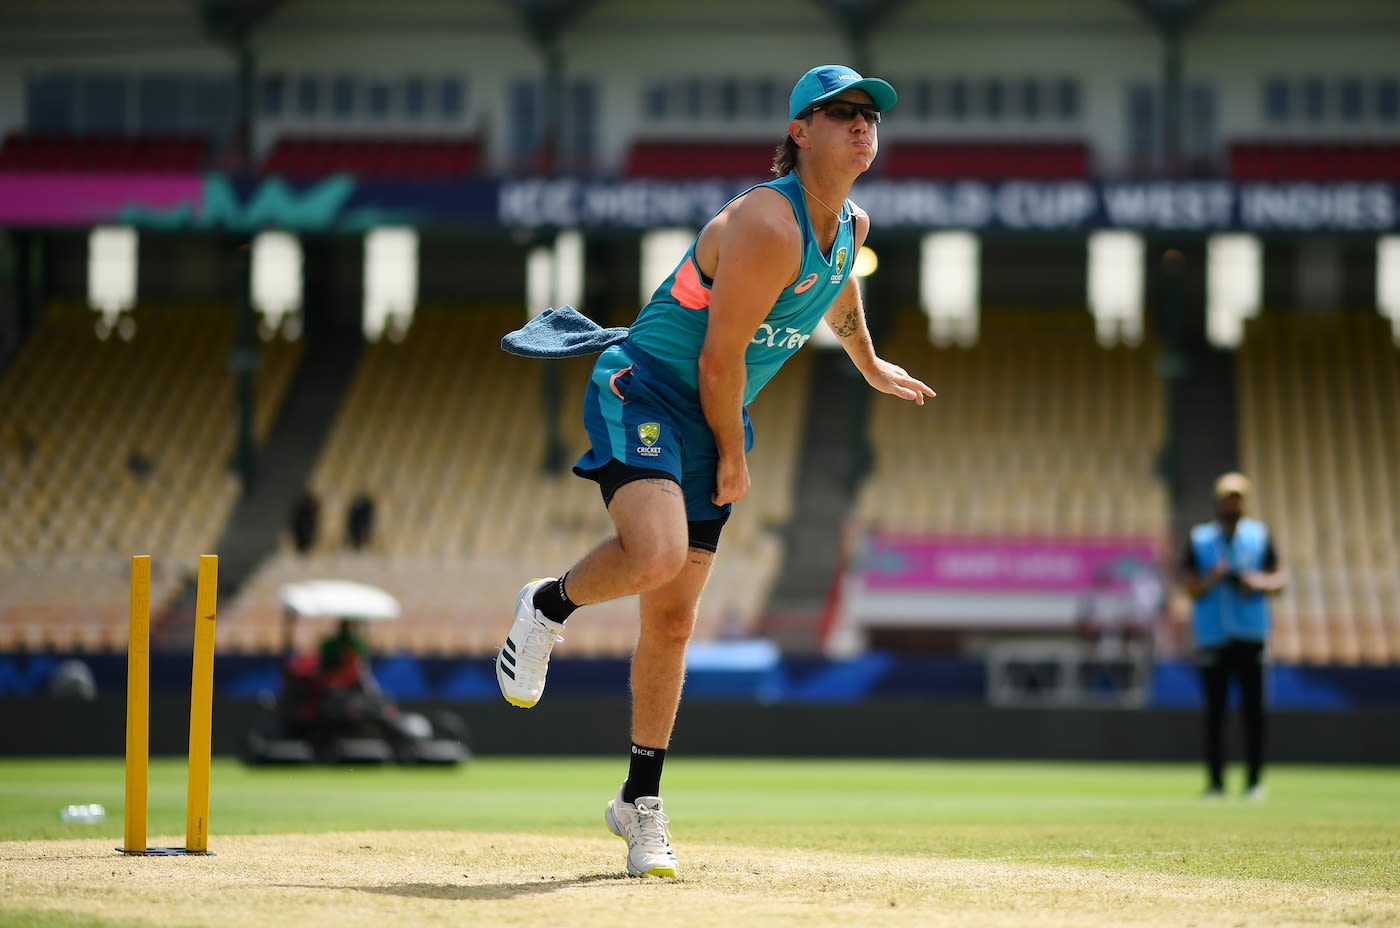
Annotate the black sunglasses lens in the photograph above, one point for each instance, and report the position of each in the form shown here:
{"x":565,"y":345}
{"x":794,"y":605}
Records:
{"x":846,"y":112}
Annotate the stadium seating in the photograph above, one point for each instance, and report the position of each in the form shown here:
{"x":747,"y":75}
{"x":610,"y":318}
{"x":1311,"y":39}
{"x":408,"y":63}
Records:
{"x":898,"y":159}
{"x":447,"y":434}
{"x":1298,"y":160}
{"x":391,"y":158}
{"x":103,"y":153}
{"x":1037,"y":431}
{"x":985,"y":160}
{"x":113,"y":448}
{"x":1318,"y":394}
{"x":109,"y":448}
{"x":681,"y":159}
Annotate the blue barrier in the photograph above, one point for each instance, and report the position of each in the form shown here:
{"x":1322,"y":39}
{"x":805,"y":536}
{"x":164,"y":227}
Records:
{"x":715,"y":672}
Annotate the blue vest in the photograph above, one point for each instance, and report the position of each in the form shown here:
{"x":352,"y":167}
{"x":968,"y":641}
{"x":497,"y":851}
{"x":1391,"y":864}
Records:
{"x":671,"y":327}
{"x":1227,"y":612}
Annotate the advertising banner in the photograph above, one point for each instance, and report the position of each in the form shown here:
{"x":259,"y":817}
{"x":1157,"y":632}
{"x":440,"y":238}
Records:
{"x":969,"y":584}
{"x":998,"y":565}
{"x":344,"y":202}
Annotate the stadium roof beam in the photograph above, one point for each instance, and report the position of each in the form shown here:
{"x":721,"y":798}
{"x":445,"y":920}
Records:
{"x":545,"y":20}
{"x":1178,"y":14}
{"x":1172,"y":19}
{"x":859,"y":19}
{"x":233,"y":21}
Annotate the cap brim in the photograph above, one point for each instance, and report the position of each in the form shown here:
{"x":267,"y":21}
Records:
{"x":882,"y":94}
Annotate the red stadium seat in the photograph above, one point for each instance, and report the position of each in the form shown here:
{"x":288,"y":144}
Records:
{"x":1291,"y":160}
{"x":403,"y":159}
{"x":103,"y":153}
{"x":986,"y":160}
{"x":678,"y":159}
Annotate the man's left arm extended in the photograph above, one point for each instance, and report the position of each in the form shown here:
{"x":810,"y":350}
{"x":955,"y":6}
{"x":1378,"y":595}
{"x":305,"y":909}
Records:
{"x":846,"y":318}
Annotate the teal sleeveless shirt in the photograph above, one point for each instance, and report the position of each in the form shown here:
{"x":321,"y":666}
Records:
{"x":671,"y":327}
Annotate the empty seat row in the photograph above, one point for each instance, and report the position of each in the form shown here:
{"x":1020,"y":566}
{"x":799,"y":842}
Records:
{"x":1318,"y":394}
{"x":103,"y":153}
{"x":681,"y":159}
{"x":1288,"y":160}
{"x":403,"y":159}
{"x":986,"y":160}
{"x":114,"y":448}
{"x":442,"y":158}
{"x":898,"y":159}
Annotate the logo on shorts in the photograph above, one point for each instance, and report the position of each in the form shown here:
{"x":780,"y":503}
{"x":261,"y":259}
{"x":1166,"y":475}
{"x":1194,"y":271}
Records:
{"x":649,"y":432}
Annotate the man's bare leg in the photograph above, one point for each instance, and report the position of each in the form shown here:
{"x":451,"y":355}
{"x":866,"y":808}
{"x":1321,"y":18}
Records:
{"x":647,"y":552}
{"x":658,"y":673}
{"x":658,"y":666}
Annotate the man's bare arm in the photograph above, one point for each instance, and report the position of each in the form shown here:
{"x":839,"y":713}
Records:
{"x":1266,"y":581}
{"x":759,"y":252}
{"x":846,"y":319}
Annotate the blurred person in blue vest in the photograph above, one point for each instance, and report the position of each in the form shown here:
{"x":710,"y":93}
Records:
{"x":1230,"y":568}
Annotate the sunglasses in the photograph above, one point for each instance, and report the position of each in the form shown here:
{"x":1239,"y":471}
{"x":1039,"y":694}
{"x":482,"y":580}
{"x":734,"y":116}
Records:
{"x":846,"y":112}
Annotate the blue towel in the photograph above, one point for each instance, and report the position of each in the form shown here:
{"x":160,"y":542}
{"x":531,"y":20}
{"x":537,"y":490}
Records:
{"x":561,"y":333}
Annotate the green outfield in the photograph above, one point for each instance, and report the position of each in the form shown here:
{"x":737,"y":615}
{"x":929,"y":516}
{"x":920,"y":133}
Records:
{"x":1330,"y":834}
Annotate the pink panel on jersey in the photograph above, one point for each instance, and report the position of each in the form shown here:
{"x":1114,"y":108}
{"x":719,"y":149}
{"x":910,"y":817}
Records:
{"x":688,"y":289}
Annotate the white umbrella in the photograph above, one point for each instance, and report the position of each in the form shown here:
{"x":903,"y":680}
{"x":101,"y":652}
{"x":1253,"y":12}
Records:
{"x":340,"y":599}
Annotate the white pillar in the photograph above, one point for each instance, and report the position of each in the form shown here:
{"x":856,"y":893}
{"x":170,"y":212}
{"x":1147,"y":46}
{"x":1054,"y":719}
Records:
{"x":1234,"y":282}
{"x":950,"y":286}
{"x":1116,"y":286}
{"x":391,"y":282}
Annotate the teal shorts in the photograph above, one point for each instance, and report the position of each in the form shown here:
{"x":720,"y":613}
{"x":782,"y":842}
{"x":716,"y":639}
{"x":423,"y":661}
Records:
{"x":642,"y":416}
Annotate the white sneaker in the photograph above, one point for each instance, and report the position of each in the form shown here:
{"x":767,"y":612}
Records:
{"x":1257,"y":793}
{"x":523,"y":660}
{"x":643,"y":825}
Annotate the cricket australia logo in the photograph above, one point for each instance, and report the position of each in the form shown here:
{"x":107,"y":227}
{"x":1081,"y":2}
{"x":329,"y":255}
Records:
{"x":838,"y":266}
{"x":649,"y":433}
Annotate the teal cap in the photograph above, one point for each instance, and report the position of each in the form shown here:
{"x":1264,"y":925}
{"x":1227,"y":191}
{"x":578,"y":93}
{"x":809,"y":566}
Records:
{"x":830,"y":80}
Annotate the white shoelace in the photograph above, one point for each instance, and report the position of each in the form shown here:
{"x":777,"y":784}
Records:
{"x":651,"y":828}
{"x":534,"y":650}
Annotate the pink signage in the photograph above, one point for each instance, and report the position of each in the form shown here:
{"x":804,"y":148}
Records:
{"x":893,"y":563}
{"x":53,"y":199}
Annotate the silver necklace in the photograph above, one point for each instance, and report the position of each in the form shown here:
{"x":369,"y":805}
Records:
{"x":842,"y":216}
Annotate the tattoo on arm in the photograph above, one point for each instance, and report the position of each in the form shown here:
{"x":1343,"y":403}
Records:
{"x":847,"y":325}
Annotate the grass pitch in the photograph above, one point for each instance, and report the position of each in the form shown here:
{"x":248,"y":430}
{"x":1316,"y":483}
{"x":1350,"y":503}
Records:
{"x":823,"y":843}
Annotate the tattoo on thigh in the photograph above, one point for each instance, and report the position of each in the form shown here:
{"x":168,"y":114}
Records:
{"x":668,"y":485}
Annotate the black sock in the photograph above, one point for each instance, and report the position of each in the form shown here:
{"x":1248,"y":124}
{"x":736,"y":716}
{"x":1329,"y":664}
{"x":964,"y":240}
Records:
{"x":554,"y":602}
{"x":644,"y":775}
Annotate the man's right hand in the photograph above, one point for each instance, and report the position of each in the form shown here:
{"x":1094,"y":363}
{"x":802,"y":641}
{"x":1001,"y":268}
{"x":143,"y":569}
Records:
{"x":731,"y":480}
{"x":1217,"y":573}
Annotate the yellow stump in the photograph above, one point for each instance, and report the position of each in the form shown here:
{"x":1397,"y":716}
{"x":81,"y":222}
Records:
{"x":138,"y":706}
{"x":202,"y":707}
